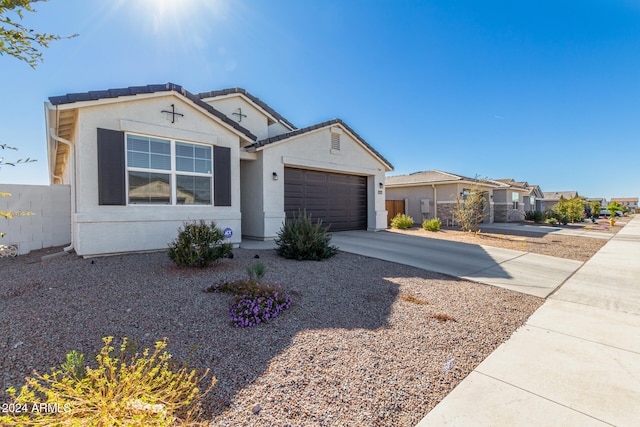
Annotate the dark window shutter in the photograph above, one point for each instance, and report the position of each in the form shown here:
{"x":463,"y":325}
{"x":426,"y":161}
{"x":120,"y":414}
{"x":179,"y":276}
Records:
{"x":221,"y":176}
{"x":111,"y":168}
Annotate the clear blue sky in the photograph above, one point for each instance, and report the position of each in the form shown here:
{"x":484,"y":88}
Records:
{"x":541,"y":91}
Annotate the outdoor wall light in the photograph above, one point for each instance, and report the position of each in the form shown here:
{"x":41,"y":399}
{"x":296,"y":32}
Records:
{"x":275,"y":176}
{"x":381,"y":185}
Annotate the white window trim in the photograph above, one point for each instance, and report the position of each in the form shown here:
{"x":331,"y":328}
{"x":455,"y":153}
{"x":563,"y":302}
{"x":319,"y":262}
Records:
{"x":173,"y":173}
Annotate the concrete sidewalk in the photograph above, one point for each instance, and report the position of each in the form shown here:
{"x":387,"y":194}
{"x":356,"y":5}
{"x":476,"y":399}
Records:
{"x":497,"y":227}
{"x":576,"y":362}
{"x":524,"y":272}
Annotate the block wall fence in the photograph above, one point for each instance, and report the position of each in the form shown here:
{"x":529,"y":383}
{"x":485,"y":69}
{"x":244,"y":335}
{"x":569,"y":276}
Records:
{"x":50,"y":222}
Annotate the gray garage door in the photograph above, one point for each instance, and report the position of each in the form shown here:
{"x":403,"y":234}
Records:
{"x":337,"y":199}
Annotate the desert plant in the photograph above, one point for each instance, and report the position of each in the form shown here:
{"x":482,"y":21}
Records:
{"x":302,"y":239}
{"x":256,"y":271}
{"x":470,"y":208}
{"x":596,"y":207}
{"x":141,"y":391}
{"x":402,"y":221}
{"x":254,"y":302}
{"x":551,"y":221}
{"x":432,"y":224}
{"x":614,"y":207}
{"x":198,"y":244}
{"x":535,"y":216}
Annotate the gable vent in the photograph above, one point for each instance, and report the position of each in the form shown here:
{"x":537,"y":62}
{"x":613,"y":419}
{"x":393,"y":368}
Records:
{"x":335,"y":141}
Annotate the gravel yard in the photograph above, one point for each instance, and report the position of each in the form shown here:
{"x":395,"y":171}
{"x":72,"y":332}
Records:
{"x":560,"y":246}
{"x":360,"y":345}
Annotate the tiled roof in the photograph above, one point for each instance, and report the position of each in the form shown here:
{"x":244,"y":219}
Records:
{"x":513,"y":183}
{"x":136,"y":90}
{"x":624,"y":199}
{"x":258,"y":101}
{"x":555,"y":195}
{"x":426,"y":177}
{"x":296,"y":132}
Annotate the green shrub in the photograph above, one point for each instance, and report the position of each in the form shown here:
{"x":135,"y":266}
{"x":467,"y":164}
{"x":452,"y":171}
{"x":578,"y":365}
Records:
{"x":535,"y":216}
{"x":142,"y":390}
{"x":432,"y":224}
{"x":402,"y":221}
{"x":198,"y":244}
{"x":256,"y":271}
{"x":302,"y":239}
{"x":551,"y":221}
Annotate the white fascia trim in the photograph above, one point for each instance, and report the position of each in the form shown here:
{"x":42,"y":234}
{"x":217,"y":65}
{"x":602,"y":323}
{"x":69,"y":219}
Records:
{"x":328,"y":166}
{"x":142,"y":96}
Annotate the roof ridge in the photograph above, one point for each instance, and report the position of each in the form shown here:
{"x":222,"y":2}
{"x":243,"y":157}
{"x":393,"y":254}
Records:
{"x":317,"y":126}
{"x":97,"y":95}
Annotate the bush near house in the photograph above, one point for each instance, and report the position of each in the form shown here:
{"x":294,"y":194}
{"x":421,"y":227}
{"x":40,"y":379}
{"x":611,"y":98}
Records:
{"x":139,"y":390}
{"x":302,"y":239}
{"x":535,"y":216}
{"x":402,"y":221}
{"x":198,"y":244}
{"x":432,"y":224}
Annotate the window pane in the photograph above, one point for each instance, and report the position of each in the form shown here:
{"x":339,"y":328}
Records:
{"x":137,"y":160}
{"x":149,"y":188}
{"x":137,"y":143}
{"x":203,"y":166}
{"x":160,"y":161}
{"x":185,"y":150}
{"x":193,"y":190}
{"x":145,"y":152}
{"x":160,"y":146}
{"x":193,"y":158}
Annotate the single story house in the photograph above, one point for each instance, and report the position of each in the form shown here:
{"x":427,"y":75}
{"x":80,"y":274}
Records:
{"x":533,"y":200}
{"x":142,"y":160}
{"x":434,"y":194}
{"x":631,"y":203}
{"x":509,"y":200}
{"x":551,"y":198}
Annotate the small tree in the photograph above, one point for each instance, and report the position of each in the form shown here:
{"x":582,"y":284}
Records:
{"x":613,"y":208}
{"x":595,"y":208}
{"x":470,"y":209}
{"x":19,"y":41}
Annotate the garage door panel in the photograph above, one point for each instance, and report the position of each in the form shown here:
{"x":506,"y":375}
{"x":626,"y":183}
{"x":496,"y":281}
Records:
{"x":339,"y":200}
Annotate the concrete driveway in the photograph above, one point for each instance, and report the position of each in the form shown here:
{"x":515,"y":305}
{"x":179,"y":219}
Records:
{"x":524,"y":272}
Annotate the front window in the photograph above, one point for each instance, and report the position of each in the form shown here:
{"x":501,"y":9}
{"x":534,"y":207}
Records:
{"x":167,"y":172}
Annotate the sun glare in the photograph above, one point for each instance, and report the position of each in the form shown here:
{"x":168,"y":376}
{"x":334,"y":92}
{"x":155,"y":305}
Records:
{"x":165,"y":14}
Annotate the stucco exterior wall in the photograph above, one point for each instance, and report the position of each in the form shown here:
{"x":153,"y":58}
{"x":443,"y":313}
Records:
{"x":106,"y":229}
{"x":255,"y":120}
{"x":313,"y":151}
{"x":50,"y":222}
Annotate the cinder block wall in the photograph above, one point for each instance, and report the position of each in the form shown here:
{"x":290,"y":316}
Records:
{"x":50,"y":222}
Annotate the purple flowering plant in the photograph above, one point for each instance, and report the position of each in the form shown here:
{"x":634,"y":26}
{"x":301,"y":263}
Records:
{"x":254,"y":302}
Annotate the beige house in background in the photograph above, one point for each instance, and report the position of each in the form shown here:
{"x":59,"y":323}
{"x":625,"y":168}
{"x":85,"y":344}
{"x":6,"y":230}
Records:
{"x":509,"y":200}
{"x":433,"y":194}
{"x":551,"y":198}
{"x":631,"y":203}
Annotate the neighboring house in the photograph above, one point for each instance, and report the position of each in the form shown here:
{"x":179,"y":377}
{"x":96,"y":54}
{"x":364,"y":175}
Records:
{"x":533,"y":200}
{"x":551,"y":198}
{"x":509,"y":200}
{"x":631,"y":203}
{"x":143,"y":160}
{"x":433,"y":194}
